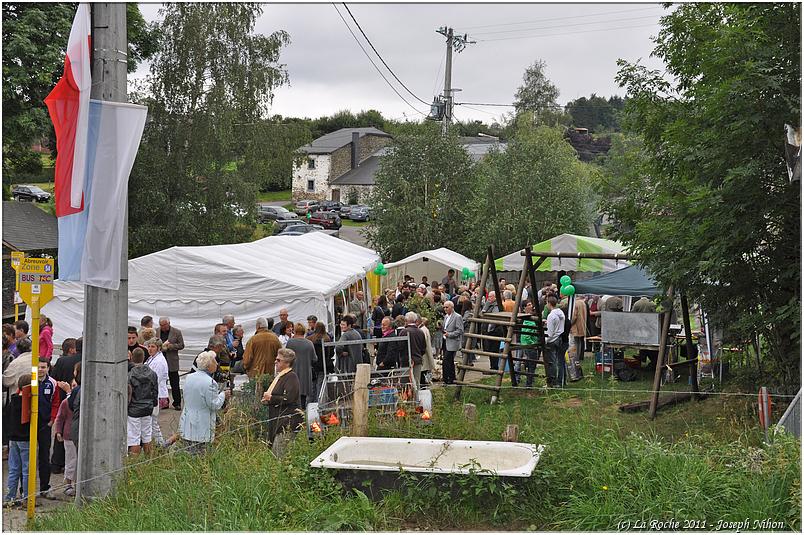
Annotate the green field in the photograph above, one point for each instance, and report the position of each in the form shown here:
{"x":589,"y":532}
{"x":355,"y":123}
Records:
{"x":698,"y":461}
{"x":272,"y":196}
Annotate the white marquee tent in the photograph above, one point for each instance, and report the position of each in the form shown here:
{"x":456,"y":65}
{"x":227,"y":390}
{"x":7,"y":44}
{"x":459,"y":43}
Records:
{"x":432,"y":264}
{"x":197,"y":286}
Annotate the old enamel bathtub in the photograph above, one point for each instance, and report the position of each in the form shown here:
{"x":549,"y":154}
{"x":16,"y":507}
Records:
{"x":374,"y":463}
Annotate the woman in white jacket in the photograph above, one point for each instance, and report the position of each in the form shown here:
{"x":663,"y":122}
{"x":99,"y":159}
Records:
{"x":157,"y":362}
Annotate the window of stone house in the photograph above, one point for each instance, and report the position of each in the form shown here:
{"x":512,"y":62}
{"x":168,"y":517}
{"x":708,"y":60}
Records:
{"x":310,"y":163}
{"x":311,"y":185}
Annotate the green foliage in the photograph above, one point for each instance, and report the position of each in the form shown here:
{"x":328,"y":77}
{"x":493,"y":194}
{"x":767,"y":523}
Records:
{"x":419,"y":201}
{"x":268,"y":151}
{"x":704,"y":201}
{"x":699,"y":460}
{"x":537,"y":92}
{"x":532,"y":191}
{"x":210,"y":78}
{"x":34,"y":43}
{"x":596,"y":113}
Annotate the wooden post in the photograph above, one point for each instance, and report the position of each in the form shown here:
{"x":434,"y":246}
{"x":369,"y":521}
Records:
{"x":360,"y":401}
{"x":685,"y":311}
{"x":511,"y":433}
{"x":494,"y":280}
{"x":470,"y":411}
{"x":657,"y":378}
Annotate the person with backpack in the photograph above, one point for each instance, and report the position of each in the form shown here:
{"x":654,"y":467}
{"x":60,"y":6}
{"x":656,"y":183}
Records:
{"x":143,"y":396}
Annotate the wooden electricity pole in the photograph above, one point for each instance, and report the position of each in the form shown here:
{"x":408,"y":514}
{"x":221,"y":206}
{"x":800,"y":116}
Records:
{"x":104,"y":383}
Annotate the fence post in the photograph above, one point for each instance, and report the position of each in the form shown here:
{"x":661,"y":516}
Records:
{"x":360,"y":401}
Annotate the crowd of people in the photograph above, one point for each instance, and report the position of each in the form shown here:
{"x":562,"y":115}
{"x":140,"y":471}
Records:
{"x":296,"y":353}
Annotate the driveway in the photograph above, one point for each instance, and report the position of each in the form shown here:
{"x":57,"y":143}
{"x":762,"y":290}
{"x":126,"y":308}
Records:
{"x":353,"y":235}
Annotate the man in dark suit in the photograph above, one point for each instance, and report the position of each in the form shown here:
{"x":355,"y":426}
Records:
{"x":172,"y":343}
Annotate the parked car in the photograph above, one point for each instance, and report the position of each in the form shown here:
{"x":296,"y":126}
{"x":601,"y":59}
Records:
{"x":304,"y":206}
{"x":30,"y":193}
{"x":330,"y":206}
{"x":274,"y":213}
{"x":346,"y":211}
{"x":325,"y":219}
{"x":360,"y":213}
{"x":303,"y":228}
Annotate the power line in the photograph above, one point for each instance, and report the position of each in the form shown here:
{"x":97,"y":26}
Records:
{"x":560,"y":18}
{"x":379,"y":56}
{"x":577,"y":106}
{"x":374,"y":64}
{"x":565,"y":25}
{"x":564,"y":33}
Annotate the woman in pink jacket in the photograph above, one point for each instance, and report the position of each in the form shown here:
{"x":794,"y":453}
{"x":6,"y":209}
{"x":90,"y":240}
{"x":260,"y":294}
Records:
{"x":46,"y":338}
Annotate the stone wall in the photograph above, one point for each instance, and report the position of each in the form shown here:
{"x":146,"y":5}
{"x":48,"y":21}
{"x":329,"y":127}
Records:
{"x":342,"y":158}
{"x":320,"y":176}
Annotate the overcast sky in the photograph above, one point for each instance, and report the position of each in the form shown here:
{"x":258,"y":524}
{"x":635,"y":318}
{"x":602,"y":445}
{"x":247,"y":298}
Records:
{"x":328,"y":72}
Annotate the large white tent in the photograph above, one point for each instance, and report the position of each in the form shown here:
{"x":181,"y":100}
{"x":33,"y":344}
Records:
{"x":432,"y":264}
{"x":196,"y":286}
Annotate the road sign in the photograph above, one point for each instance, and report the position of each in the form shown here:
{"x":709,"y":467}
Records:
{"x":36,"y":279}
{"x":16,"y":259}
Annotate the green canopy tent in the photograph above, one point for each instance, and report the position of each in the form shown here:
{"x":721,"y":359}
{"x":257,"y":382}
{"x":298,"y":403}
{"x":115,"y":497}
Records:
{"x":569,"y":244}
{"x":633,"y":281}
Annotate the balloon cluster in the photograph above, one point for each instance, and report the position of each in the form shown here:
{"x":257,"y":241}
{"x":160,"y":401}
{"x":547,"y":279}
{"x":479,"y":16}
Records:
{"x":467,"y":273}
{"x":566,"y":286}
{"x":380,"y":270}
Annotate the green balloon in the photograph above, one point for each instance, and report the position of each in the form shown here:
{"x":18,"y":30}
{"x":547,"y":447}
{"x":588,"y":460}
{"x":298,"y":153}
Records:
{"x":379,"y":269}
{"x":568,"y":290}
{"x":565,"y":280}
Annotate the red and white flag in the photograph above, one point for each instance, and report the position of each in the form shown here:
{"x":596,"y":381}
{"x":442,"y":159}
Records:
{"x":97,"y":143}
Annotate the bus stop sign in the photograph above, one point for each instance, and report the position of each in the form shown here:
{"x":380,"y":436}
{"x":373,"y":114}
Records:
{"x":36,"y":280}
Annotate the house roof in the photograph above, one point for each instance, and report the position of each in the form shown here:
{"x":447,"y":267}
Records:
{"x":28,"y":228}
{"x":329,"y":143}
{"x":479,"y":146}
{"x":363,"y":174}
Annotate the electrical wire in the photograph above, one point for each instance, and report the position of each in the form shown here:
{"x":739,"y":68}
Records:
{"x":379,"y":56}
{"x":565,"y":25}
{"x":565,"y":33}
{"x":560,"y":18}
{"x":438,"y":71}
{"x":375,"y":65}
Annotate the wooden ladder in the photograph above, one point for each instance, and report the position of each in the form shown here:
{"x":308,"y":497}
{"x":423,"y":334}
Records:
{"x":479,"y":323}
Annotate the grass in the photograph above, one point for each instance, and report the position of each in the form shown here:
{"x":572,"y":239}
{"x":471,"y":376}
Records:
{"x":702,"y":460}
{"x":273,"y":196}
{"x":350,"y":223}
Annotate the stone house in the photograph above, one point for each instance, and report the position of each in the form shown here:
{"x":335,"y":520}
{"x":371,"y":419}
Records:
{"x":340,"y":166}
{"x":29,"y":229}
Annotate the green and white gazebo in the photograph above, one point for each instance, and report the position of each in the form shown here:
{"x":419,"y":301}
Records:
{"x":569,"y":244}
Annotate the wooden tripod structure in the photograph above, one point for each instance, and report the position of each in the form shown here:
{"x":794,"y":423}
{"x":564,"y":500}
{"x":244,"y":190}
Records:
{"x":481,"y":322}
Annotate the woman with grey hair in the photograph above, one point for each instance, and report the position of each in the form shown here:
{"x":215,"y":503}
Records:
{"x":282,"y":397}
{"x":202,"y":400}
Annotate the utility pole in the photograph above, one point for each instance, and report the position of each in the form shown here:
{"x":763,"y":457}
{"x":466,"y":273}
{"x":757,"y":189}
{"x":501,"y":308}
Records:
{"x":448,"y":84}
{"x":458,"y":43}
{"x":104,"y":383}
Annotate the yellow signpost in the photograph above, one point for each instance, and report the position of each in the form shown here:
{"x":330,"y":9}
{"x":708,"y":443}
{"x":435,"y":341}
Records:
{"x":16,"y":258}
{"x":35,"y":276}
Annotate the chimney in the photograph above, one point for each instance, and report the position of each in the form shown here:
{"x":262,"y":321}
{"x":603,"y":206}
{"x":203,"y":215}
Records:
{"x":355,"y":147}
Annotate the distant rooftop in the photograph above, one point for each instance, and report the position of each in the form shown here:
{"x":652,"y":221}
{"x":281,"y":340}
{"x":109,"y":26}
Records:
{"x":329,"y":143}
{"x":26,"y":227}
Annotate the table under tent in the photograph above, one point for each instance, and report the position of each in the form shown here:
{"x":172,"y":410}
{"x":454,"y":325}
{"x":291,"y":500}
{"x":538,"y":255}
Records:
{"x":196,"y":286}
{"x":652,"y":331}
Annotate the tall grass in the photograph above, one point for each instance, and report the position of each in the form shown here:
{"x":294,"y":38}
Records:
{"x":699,"y":461}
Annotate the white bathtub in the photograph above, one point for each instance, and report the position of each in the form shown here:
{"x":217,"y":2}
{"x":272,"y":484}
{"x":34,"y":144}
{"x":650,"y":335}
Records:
{"x":505,"y":459}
